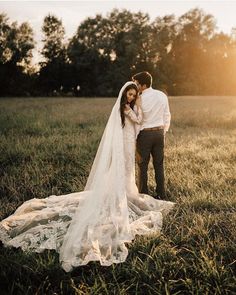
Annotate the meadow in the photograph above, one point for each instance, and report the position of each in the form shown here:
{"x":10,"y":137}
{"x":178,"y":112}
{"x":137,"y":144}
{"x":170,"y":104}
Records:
{"x":47,"y":146}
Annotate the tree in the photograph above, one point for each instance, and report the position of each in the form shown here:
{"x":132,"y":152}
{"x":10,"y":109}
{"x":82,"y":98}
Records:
{"x":164,"y":32}
{"x":16,"y":44}
{"x":189,"y":51}
{"x":106,"y":51}
{"x":53,"y":68}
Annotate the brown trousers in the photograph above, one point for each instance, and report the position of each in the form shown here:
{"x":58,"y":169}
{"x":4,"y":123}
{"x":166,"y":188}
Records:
{"x":150,"y":142}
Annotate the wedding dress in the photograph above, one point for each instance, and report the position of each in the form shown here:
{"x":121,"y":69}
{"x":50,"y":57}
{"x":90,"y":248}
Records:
{"x":95,"y":224}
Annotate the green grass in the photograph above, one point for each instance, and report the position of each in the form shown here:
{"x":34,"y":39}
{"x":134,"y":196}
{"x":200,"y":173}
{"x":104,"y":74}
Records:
{"x":47,"y":147}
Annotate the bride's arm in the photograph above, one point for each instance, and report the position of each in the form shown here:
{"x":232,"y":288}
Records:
{"x":135,"y":115}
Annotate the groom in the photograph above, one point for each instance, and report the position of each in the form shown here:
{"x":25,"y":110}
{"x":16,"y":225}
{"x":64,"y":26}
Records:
{"x":150,"y":141}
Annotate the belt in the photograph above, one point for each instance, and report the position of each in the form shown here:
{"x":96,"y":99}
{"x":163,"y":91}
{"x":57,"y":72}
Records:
{"x":154,"y":128}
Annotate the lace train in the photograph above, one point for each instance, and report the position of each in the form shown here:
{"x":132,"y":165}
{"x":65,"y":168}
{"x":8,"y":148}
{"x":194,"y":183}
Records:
{"x":40,"y":224}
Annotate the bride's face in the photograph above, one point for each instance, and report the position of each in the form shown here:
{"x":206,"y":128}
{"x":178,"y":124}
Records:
{"x":131,"y":95}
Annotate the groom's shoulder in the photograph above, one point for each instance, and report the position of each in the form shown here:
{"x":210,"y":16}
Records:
{"x":160,"y":93}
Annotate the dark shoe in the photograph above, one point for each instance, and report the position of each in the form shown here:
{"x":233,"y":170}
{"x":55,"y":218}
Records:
{"x":157,"y":197}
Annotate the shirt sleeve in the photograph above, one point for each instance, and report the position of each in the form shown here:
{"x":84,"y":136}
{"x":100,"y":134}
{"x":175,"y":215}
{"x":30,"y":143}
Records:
{"x":135,"y":115}
{"x":167,"y":115}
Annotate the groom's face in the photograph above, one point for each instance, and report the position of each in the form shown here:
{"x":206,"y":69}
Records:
{"x":138,"y":85}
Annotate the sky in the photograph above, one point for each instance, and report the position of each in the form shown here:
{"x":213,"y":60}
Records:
{"x":72,"y":13}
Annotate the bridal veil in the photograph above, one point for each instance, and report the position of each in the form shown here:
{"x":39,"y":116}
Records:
{"x":100,"y":225}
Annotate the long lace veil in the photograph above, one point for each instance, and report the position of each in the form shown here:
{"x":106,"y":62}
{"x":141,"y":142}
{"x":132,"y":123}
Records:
{"x":100,"y":226}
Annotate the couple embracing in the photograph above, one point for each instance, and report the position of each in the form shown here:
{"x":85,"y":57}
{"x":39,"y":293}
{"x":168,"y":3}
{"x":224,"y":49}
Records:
{"x":96,"y":224}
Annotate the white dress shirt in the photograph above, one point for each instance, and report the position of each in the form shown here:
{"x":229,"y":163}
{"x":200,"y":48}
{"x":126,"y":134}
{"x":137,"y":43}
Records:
{"x":155,"y":109}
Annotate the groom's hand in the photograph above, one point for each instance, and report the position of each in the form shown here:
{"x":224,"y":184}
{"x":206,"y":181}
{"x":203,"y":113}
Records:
{"x":138,"y":101}
{"x":165,"y":136}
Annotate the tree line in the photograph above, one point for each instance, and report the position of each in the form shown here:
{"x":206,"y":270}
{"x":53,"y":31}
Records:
{"x":186,"y":55}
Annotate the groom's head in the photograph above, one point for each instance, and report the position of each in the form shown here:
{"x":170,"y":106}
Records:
{"x":143,"y":80}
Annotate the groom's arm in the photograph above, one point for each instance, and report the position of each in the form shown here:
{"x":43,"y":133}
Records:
{"x":167,"y":115}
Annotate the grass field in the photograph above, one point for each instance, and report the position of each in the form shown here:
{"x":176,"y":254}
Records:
{"x":47,"y":147}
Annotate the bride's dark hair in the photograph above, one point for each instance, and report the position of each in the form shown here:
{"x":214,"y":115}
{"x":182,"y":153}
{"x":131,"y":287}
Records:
{"x":123,"y":101}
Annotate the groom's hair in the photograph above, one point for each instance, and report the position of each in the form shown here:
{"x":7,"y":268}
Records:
{"x":143,"y":78}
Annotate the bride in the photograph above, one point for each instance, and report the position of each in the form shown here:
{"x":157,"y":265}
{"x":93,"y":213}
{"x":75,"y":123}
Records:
{"x":95,"y":224}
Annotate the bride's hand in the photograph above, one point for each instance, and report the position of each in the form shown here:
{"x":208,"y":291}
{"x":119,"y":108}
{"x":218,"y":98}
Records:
{"x":127,"y":107}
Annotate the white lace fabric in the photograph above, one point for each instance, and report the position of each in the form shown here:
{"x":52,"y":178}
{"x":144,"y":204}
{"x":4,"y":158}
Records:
{"x":95,"y":224}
